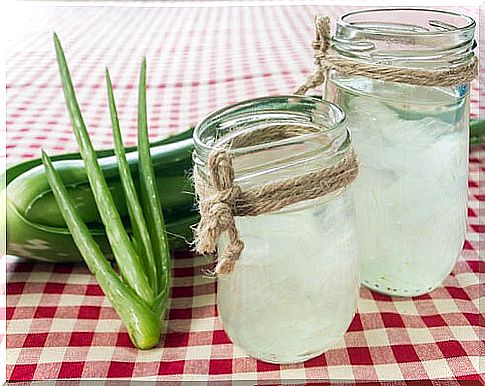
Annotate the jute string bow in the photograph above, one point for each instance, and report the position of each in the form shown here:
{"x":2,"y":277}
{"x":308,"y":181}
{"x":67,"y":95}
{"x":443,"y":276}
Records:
{"x":328,"y":59}
{"x":220,"y":199}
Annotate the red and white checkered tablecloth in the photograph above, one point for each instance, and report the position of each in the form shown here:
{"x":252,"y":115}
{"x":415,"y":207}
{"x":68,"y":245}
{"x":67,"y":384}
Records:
{"x":60,"y":325}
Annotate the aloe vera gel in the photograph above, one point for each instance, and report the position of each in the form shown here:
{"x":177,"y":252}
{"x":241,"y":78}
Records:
{"x":412,"y":143}
{"x":293,"y":292}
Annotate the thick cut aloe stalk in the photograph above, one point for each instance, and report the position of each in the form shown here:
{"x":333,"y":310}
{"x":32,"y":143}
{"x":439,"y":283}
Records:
{"x":32,"y":196}
{"x":477,"y":131}
{"x":16,"y":170}
{"x":37,"y":230}
{"x":54,"y":244}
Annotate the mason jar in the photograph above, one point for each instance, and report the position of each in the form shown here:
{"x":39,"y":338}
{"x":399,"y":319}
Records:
{"x":412,"y":144}
{"x":293,"y":292}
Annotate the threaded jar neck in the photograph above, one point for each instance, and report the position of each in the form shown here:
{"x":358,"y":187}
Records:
{"x":406,"y":37}
{"x":273,"y":137}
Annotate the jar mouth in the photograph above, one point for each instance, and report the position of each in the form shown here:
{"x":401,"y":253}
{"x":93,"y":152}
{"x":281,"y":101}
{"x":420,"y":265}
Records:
{"x":406,"y":37}
{"x":351,"y":20}
{"x":272,"y":137}
{"x":294,"y":108}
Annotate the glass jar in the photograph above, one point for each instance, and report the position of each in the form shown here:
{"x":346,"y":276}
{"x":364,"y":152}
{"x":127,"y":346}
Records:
{"x":293,"y":291}
{"x":412,"y":143}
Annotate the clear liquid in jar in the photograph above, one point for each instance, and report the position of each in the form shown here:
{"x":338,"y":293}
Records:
{"x":411,"y":192}
{"x":294,"y":290}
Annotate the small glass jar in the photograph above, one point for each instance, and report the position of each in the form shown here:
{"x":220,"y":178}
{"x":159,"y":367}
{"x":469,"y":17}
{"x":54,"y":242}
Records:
{"x":293,"y":291}
{"x":412,"y":143}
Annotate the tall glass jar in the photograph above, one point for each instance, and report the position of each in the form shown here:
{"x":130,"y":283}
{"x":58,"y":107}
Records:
{"x":412,"y":142}
{"x":294,"y":289}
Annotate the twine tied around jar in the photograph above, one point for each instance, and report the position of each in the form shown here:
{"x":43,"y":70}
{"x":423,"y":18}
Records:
{"x":328,"y":59}
{"x":220,"y":199}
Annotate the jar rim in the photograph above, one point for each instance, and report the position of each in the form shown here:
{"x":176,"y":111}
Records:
{"x":342,"y":21}
{"x":338,"y":115}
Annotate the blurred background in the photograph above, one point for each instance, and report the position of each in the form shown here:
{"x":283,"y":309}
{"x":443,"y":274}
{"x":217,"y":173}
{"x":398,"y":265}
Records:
{"x":201,"y":56}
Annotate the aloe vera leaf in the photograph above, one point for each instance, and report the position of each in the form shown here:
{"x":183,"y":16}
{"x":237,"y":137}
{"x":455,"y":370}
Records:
{"x":142,"y":323}
{"x":135,"y":212}
{"x":128,"y":261}
{"x":149,"y":194}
